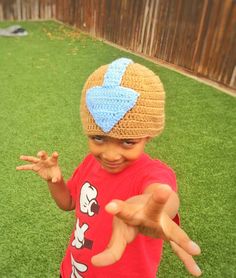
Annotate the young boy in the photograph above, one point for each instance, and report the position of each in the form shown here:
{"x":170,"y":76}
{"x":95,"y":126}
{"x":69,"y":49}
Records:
{"x":125,"y":202}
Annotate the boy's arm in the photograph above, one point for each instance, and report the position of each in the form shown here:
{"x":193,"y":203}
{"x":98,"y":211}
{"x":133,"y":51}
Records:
{"x":150,"y":214}
{"x":61,"y":195}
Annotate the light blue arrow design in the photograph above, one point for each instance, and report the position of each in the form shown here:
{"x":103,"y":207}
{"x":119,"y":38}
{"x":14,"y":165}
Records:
{"x":109,"y":103}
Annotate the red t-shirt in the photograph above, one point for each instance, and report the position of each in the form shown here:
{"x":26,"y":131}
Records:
{"x":92,"y":188}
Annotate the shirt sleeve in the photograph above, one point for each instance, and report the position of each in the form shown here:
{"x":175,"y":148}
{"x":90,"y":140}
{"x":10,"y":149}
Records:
{"x":158,"y":172}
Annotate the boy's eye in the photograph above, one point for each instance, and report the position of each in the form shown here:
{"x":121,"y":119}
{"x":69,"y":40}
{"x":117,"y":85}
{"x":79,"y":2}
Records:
{"x":128,"y":143}
{"x":97,"y":139}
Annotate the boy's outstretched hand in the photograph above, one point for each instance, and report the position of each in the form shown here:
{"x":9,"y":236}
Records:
{"x":48,"y":169}
{"x":146,"y":214}
{"x":45,"y":166}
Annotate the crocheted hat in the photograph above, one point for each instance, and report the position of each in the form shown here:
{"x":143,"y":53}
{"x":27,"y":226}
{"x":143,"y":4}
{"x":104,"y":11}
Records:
{"x":123,"y":100}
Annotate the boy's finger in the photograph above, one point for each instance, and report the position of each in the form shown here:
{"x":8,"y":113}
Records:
{"x":124,"y":211}
{"x":56,"y":179}
{"x":42,"y":155}
{"x":174,"y":233}
{"x":157,"y":202}
{"x":114,"y":251}
{"x":31,"y":159}
{"x":187,"y":259}
{"x":55,"y":156}
{"x":25,"y":167}
{"x":108,"y":256}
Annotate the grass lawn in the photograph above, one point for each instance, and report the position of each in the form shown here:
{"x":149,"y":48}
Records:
{"x":41,"y":77}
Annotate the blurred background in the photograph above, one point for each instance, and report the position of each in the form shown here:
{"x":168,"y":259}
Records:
{"x":197,"y":36}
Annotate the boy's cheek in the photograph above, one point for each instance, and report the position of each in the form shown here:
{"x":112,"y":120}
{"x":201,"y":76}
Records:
{"x":93,"y":149}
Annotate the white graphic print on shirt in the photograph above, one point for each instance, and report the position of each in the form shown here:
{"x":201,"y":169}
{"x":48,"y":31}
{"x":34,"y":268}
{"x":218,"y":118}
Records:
{"x":89,"y":206}
{"x":88,"y":202}
{"x":76,"y":268}
{"x":79,"y":237}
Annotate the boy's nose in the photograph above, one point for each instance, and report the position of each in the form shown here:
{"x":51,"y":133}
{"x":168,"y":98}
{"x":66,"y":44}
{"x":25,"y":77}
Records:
{"x":111,"y":155}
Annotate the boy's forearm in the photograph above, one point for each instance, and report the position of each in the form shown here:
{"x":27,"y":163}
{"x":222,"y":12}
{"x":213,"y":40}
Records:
{"x":61,"y":195}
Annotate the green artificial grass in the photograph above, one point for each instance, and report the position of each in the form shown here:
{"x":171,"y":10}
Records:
{"x":41,"y":77}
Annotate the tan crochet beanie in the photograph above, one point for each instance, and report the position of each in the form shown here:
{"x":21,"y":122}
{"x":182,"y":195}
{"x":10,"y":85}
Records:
{"x":123,"y":100}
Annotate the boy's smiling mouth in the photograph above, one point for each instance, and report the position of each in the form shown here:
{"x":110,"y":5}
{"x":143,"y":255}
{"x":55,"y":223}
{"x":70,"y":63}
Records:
{"x":112,"y":166}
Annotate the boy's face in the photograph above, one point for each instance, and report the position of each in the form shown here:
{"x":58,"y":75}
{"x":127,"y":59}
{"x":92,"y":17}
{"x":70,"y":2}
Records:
{"x":115,"y":155}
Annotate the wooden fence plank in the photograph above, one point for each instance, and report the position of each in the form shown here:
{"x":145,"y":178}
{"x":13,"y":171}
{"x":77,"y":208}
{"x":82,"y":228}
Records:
{"x":198,"y":36}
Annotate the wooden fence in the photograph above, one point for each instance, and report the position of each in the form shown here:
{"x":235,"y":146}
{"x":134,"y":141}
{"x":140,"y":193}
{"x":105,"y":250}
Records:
{"x":27,"y":9}
{"x":198,"y":36}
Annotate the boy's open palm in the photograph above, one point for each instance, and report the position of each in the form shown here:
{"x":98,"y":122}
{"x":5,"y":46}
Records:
{"x":145,"y":214}
{"x":45,"y":166}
